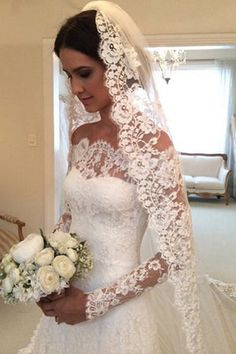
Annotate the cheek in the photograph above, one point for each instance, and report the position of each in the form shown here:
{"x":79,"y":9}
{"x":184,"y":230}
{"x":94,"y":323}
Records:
{"x":106,"y":96}
{"x":102,"y":91}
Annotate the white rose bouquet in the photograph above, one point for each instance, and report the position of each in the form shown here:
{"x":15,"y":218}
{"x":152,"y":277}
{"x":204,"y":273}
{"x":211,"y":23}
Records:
{"x":40,"y":265}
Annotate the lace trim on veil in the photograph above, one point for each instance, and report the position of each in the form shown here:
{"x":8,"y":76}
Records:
{"x":228,"y":289}
{"x":156,"y":171}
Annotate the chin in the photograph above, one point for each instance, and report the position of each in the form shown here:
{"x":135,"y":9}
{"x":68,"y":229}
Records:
{"x":91,"y":109}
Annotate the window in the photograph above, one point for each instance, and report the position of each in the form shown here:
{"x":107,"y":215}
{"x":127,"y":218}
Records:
{"x":195,"y":102}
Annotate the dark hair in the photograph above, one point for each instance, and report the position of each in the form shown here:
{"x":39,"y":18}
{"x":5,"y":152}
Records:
{"x":79,"y":33}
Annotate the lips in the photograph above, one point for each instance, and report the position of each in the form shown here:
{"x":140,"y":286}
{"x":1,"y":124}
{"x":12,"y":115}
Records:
{"x":85,"y":100}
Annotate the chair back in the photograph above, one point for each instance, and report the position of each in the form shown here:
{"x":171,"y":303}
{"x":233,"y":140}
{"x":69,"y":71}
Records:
{"x":7,"y":237}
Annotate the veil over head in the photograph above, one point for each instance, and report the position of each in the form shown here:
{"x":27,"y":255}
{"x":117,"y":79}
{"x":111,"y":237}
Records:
{"x":153,"y":166}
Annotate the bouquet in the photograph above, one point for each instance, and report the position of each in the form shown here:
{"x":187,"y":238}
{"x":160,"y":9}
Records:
{"x":40,"y":265}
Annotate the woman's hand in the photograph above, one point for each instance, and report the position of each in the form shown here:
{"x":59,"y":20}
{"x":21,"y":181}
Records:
{"x":68,"y":307}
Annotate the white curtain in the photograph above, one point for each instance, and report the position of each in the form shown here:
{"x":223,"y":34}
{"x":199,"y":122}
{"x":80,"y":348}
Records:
{"x":228,"y":81}
{"x":195,"y":108}
{"x":233,"y":160}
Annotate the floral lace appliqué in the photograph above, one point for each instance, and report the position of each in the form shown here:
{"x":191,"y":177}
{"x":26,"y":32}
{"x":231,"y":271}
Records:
{"x":99,"y":159}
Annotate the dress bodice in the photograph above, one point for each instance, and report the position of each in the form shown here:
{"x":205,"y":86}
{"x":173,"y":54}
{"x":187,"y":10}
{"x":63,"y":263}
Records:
{"x":105,"y":211}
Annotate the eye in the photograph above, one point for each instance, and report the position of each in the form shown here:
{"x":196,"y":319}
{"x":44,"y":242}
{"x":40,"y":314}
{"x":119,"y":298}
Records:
{"x":84,"y":73}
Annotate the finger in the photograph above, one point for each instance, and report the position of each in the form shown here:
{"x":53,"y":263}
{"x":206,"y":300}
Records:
{"x":45,"y":299}
{"x":57,"y":319}
{"x":68,"y":322}
{"x":48,"y":306}
{"x":62,"y":319}
{"x":40,"y":304}
{"x":49,"y":313}
{"x":68,"y":319}
{"x":56,"y":296}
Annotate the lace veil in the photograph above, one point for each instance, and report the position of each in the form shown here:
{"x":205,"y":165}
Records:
{"x":153,"y":165}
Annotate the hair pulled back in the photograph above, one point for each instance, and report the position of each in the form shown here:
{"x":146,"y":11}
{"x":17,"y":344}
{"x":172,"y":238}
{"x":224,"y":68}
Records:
{"x":79,"y":33}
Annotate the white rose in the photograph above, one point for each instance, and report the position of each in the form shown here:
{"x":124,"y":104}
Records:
{"x":14,"y":275}
{"x":27,"y":248}
{"x":7,"y":285}
{"x":62,"y":240}
{"x":7,"y":258}
{"x":9,"y":267}
{"x":62,"y":249}
{"x":48,"y":279}
{"x":72,"y":254}
{"x":64,"y":266}
{"x":72,"y":242}
{"x":44,"y":257}
{"x":58,"y":237}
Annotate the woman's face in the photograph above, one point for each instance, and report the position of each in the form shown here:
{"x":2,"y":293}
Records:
{"x":87,"y":79}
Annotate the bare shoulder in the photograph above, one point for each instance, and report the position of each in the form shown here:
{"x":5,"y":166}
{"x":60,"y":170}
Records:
{"x":164,"y":140}
{"x":80,"y":133}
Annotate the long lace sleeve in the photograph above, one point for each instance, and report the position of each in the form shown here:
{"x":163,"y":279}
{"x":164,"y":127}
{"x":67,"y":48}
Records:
{"x":64,"y":221}
{"x":144,"y":277}
{"x":155,"y":270}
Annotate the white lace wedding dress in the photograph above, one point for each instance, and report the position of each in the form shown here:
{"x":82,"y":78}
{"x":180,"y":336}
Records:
{"x":105,"y":211}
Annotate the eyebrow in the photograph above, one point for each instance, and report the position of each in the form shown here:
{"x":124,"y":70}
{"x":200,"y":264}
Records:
{"x":77,"y":69}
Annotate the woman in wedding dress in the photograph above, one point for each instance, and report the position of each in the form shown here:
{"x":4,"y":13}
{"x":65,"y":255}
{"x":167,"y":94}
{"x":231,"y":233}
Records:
{"x":123,"y":179}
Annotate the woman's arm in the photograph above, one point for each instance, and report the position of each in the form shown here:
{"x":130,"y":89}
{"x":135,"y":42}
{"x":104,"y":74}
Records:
{"x":64,"y":222}
{"x":145,"y":276}
{"x":75,"y":306}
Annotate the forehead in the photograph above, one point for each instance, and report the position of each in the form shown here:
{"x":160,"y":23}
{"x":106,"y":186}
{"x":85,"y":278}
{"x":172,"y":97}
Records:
{"x":71,"y":59}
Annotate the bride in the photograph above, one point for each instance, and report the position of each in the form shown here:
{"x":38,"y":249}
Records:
{"x":123,"y":179}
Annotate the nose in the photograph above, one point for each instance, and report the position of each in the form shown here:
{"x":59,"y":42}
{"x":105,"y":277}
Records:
{"x":76,"y":86}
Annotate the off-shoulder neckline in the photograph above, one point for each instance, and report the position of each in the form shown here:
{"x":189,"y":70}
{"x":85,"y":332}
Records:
{"x":103,"y":142}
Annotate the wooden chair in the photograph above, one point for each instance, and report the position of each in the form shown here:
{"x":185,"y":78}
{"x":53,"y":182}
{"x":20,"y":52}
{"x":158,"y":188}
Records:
{"x":7,"y":238}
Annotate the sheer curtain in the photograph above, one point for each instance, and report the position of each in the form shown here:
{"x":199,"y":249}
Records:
{"x":227,"y":72}
{"x":228,"y":80}
{"x":233,"y":155}
{"x":196,"y":107}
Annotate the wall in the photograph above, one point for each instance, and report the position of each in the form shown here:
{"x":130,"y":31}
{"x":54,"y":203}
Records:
{"x":23,"y":25}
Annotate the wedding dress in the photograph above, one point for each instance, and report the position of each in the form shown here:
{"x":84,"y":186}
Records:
{"x":106,"y":213}
{"x":104,"y":210}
